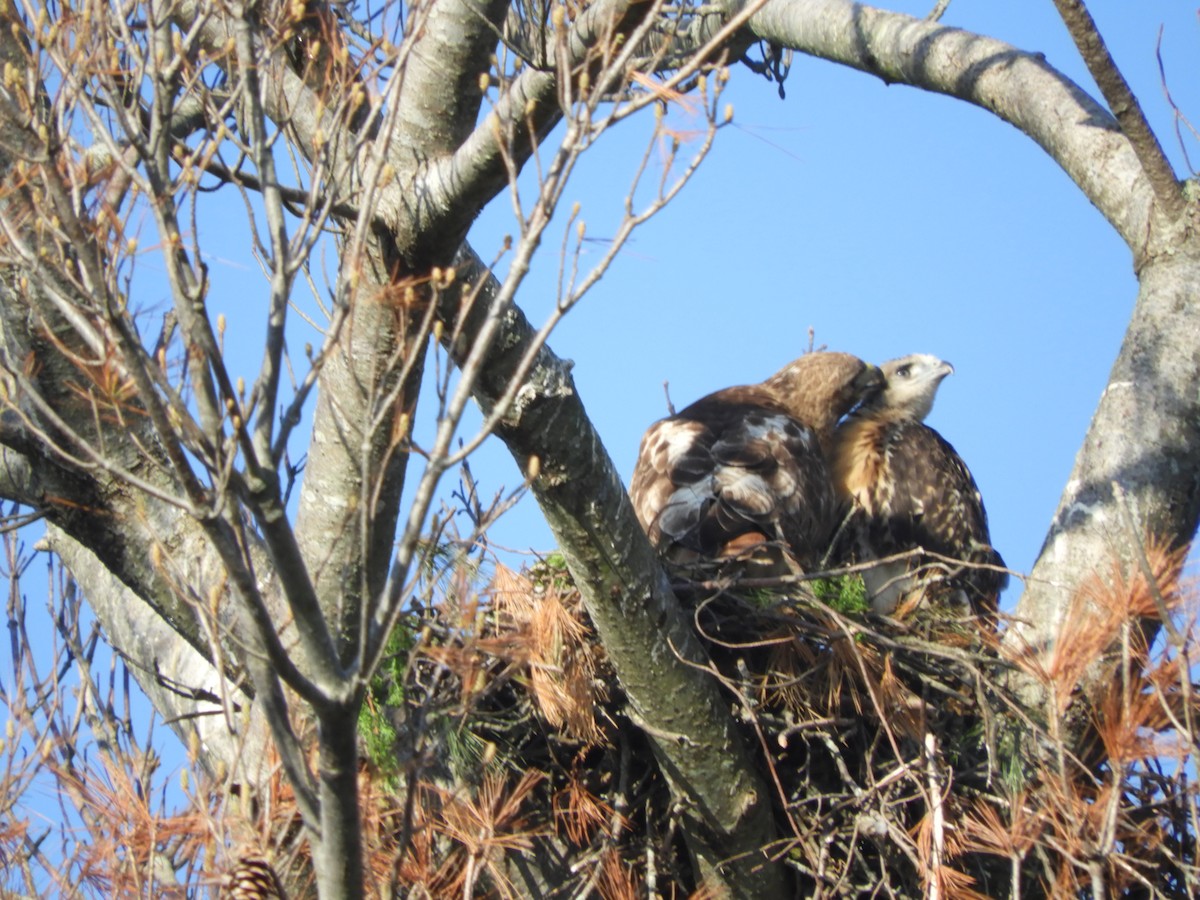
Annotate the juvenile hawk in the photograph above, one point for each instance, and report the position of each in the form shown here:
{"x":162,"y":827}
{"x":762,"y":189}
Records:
{"x":906,"y":487}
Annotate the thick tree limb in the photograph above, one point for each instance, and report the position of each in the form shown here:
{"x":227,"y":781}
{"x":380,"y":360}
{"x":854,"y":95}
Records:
{"x":87,"y":505}
{"x":1143,"y":437}
{"x":1018,"y":87}
{"x":185,"y":688}
{"x":19,"y":480}
{"x":650,"y":642}
{"x":440,"y":91}
{"x":350,"y":499}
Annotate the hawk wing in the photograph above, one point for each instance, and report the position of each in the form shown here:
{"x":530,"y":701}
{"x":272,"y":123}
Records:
{"x":912,"y":489}
{"x":724,"y":469}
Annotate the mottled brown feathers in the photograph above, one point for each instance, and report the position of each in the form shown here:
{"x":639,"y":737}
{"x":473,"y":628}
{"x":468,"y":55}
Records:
{"x":906,"y":488}
{"x":747,"y":464}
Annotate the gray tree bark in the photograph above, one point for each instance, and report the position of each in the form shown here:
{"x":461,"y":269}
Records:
{"x":658,"y":658}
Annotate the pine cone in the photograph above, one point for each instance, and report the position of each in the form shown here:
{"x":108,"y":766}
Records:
{"x":252,"y":878}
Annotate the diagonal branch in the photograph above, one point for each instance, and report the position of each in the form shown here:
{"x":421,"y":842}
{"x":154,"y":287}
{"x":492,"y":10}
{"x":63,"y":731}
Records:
{"x":1123,"y":104}
{"x":648,"y":638}
{"x":528,"y":107}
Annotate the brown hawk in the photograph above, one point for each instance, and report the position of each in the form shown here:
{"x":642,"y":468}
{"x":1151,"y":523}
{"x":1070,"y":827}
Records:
{"x":742,"y":473}
{"x":905,"y":487}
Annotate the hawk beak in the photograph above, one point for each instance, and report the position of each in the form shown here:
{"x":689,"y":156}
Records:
{"x":869,"y":381}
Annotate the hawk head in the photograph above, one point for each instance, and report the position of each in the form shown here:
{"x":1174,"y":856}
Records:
{"x":820,"y":388}
{"x":911,"y":384}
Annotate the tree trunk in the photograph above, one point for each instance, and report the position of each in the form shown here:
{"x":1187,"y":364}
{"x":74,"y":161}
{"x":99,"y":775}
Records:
{"x":1143,"y":437}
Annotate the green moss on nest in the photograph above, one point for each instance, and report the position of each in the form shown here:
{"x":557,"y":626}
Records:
{"x":843,"y":593}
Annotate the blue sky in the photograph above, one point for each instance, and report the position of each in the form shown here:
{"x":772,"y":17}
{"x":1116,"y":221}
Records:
{"x":890,"y":221}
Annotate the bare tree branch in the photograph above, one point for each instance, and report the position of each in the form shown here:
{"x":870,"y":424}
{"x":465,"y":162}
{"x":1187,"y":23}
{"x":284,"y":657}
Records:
{"x":1123,"y":104}
{"x":652,"y":643}
{"x":1018,"y":87}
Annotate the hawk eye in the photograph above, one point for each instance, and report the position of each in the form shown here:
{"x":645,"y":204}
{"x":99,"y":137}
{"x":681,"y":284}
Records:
{"x":904,"y":371}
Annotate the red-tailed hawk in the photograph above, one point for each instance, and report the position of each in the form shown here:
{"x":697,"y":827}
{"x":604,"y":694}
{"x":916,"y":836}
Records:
{"x":906,"y":487}
{"x":743,"y":472}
